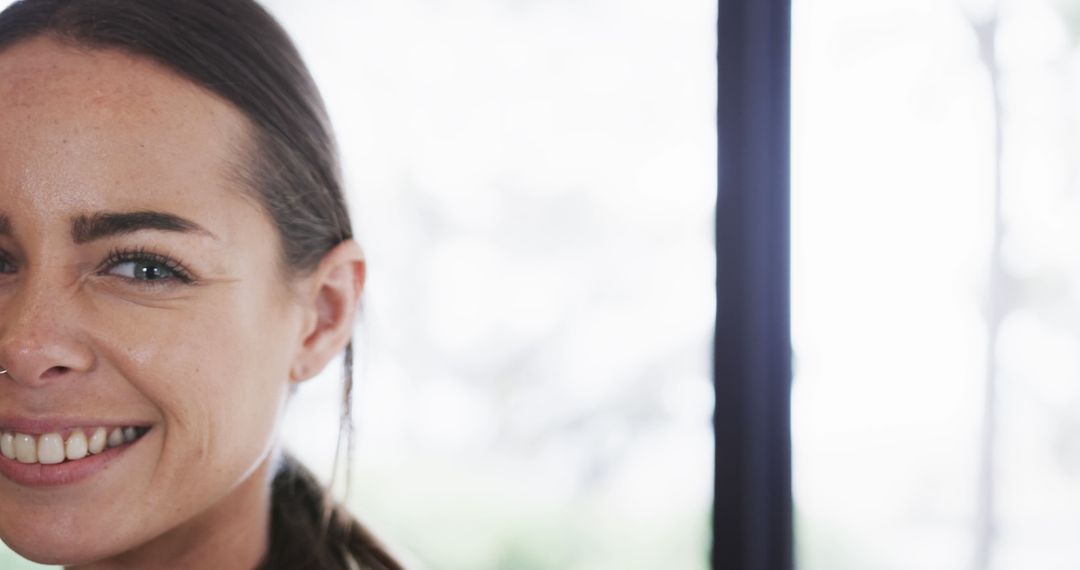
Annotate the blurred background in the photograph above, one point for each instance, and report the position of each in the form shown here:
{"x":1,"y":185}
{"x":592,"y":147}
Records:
{"x":936,"y":273}
{"x":534,"y":183}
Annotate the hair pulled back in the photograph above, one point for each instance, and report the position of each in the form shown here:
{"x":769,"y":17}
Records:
{"x":236,"y":50}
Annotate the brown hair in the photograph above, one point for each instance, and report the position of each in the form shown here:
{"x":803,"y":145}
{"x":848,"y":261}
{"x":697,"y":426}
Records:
{"x":235,"y":49}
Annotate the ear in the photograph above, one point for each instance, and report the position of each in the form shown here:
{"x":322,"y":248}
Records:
{"x":331,"y":298}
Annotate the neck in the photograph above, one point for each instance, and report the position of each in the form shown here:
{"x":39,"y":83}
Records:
{"x":233,"y":534}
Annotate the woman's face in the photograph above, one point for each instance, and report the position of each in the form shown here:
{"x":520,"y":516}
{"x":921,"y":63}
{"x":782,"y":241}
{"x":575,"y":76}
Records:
{"x":173,"y":321}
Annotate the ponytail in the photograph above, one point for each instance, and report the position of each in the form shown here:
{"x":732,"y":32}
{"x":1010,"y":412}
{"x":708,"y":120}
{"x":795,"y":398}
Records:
{"x":309,"y":531}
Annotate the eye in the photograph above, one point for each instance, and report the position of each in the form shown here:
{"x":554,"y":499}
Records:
{"x":145,"y":268}
{"x":142,"y":270}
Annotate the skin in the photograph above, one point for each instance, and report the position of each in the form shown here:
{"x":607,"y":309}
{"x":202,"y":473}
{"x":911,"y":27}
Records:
{"x":207,"y":364}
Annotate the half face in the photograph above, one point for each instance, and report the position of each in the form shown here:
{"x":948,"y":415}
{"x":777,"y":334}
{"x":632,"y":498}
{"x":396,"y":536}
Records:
{"x":138,"y":289}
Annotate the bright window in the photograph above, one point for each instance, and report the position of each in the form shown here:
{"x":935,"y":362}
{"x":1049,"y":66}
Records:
{"x":937,"y":393}
{"x":534,"y":185}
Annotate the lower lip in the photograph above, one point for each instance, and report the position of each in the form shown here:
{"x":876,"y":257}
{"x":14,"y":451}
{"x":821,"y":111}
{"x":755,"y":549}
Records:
{"x":39,"y":476}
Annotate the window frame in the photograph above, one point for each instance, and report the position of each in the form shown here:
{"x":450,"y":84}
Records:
{"x":752,"y":520}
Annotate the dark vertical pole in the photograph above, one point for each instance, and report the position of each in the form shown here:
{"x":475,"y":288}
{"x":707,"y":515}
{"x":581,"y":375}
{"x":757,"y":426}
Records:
{"x":752,"y":513}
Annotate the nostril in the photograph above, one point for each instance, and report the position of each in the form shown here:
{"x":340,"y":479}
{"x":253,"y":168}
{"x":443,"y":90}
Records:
{"x":55,"y":371}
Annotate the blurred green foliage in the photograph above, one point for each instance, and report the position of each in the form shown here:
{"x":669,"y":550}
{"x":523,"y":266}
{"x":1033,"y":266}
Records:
{"x":474,"y":523}
{"x":1070,"y":16}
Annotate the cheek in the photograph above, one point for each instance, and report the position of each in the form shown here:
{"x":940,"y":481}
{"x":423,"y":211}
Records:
{"x":215,"y":369}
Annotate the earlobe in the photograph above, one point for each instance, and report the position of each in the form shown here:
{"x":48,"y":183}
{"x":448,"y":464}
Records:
{"x":332,"y":303}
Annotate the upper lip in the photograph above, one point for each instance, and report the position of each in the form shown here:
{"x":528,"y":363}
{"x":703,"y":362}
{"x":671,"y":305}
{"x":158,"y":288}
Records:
{"x":43,"y":425}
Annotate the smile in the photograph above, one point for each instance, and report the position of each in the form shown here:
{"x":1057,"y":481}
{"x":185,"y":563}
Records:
{"x":54,"y":448}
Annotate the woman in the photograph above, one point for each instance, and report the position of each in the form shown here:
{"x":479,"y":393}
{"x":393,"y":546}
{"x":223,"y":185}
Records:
{"x":175,"y":256}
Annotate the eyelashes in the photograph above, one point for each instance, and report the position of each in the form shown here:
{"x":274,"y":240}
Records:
{"x":144,"y":264}
{"x":140,"y":266}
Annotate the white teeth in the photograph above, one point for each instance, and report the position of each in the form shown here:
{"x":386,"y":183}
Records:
{"x":7,"y":445}
{"x":98,"y":441}
{"x":50,"y":449}
{"x":116,"y":437}
{"x":76,"y":446}
{"x":25,"y":448}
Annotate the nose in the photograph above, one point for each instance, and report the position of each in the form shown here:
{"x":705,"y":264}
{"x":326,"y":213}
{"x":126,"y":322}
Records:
{"x":39,"y":339}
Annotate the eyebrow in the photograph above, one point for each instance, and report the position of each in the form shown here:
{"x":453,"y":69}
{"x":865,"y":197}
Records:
{"x":100,"y":225}
{"x":87,"y":228}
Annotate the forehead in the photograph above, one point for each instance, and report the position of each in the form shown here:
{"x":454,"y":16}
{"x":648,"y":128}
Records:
{"x":87,"y":130}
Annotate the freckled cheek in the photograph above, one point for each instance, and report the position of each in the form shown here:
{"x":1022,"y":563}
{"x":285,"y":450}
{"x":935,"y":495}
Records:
{"x":212,"y":380}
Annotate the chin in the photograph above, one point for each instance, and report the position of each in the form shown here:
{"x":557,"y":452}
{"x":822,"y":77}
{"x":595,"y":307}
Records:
{"x":55,"y":543}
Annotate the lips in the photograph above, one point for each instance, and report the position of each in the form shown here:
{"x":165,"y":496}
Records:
{"x":43,"y":454}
